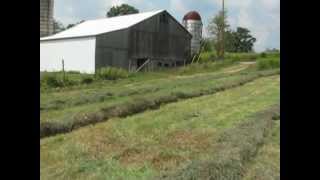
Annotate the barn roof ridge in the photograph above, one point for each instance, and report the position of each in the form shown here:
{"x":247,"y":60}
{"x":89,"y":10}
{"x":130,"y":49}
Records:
{"x":95,"y":27}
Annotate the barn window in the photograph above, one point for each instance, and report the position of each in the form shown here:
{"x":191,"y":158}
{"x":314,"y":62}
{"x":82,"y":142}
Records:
{"x":164,"y":18}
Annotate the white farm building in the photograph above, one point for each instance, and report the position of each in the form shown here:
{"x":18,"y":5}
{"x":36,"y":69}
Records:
{"x":131,"y":41}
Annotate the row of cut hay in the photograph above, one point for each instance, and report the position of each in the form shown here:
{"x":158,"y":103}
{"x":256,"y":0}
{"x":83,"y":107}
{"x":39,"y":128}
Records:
{"x":234,"y":149}
{"x":137,"y":106}
{"x":102,"y":94}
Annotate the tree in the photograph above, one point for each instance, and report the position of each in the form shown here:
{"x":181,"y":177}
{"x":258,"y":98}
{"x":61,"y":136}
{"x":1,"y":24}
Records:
{"x":71,"y":25}
{"x":217,"y":26}
{"x":243,"y":40}
{"x":229,"y":41}
{"x":57,"y":26}
{"x":239,"y":41}
{"x":123,"y":9}
{"x":207,"y":44}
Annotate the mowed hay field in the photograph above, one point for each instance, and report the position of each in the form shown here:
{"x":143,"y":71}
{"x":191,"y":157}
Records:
{"x":168,"y":142}
{"x":64,"y":111}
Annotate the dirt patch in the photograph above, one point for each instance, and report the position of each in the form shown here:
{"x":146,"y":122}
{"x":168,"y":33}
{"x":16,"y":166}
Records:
{"x":242,"y":66}
{"x":249,"y":62}
{"x":166,"y":161}
{"x":131,"y":156}
{"x":188,"y":140}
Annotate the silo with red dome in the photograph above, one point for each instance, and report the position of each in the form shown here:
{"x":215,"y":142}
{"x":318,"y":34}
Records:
{"x":192,"y":22}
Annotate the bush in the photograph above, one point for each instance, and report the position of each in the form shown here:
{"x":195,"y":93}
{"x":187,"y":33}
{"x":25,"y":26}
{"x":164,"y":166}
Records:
{"x":263,"y":55}
{"x":55,"y":80}
{"x":86,"y":80}
{"x":68,"y":82}
{"x":50,"y":80}
{"x":111,"y":73}
{"x":270,"y":63}
{"x":207,"y":57}
{"x":242,"y":56}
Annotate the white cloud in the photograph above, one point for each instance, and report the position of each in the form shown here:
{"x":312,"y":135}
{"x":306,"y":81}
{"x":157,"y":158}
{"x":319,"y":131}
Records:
{"x":271,"y":4}
{"x":179,"y":6}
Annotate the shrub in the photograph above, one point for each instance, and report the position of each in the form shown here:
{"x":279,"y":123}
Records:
{"x":270,"y":63}
{"x":55,"y":80}
{"x":50,"y":80}
{"x":68,"y":82}
{"x":207,"y":57}
{"x":242,"y":56}
{"x":86,"y":80}
{"x":111,"y":73}
{"x":263,"y":55}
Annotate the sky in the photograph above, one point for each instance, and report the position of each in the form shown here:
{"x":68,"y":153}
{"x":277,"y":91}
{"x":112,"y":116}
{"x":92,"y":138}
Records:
{"x":261,"y":17}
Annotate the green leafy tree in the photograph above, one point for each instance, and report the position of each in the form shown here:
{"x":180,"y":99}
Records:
{"x":72,"y":25}
{"x":122,"y":10}
{"x":217,"y":26}
{"x":57,"y":26}
{"x":229,"y":41}
{"x":239,"y":41}
{"x":207,"y":44}
{"x":243,"y":40}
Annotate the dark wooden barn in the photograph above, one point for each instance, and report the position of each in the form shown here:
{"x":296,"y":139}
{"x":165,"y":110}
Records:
{"x":142,"y":41}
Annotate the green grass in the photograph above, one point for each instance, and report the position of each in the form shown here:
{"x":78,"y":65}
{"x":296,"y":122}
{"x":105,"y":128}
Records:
{"x":145,"y":145}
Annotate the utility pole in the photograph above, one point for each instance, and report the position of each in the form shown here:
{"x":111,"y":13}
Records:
{"x":222,"y":34}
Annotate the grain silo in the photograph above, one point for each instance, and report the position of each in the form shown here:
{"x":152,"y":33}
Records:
{"x":192,"y":22}
{"x":46,"y":17}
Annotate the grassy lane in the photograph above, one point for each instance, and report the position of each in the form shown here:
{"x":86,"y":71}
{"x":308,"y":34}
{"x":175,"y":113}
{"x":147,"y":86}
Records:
{"x":143,"y":145}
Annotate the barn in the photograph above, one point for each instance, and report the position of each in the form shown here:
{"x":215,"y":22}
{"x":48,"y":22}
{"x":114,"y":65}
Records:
{"x":139,"y":41}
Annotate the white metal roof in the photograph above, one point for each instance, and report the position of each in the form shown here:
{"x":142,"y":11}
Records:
{"x":100,"y":26}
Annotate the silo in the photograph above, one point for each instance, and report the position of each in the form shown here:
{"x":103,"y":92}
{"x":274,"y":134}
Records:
{"x":192,"y":22}
{"x":46,"y":17}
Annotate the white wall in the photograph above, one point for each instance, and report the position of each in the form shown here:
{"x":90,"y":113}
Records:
{"x":78,"y":55}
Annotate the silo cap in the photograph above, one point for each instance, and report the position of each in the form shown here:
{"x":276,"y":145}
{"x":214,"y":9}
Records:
{"x":192,"y":15}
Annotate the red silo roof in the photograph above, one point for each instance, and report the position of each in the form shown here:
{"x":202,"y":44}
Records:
{"x":192,"y":15}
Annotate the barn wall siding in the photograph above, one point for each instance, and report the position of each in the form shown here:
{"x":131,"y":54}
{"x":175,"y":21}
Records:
{"x":78,"y":55}
{"x":159,"y":38}
{"x":112,"y":49}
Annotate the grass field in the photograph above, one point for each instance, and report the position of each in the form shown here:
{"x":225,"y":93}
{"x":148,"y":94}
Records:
{"x":168,"y":141}
{"x":67,"y":110}
{"x":202,"y":121}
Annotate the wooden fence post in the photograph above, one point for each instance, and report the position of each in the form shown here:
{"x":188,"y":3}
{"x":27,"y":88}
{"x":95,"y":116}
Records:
{"x":64,"y":75}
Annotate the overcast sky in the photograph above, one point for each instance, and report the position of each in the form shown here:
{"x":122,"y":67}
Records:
{"x":261,"y":17}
